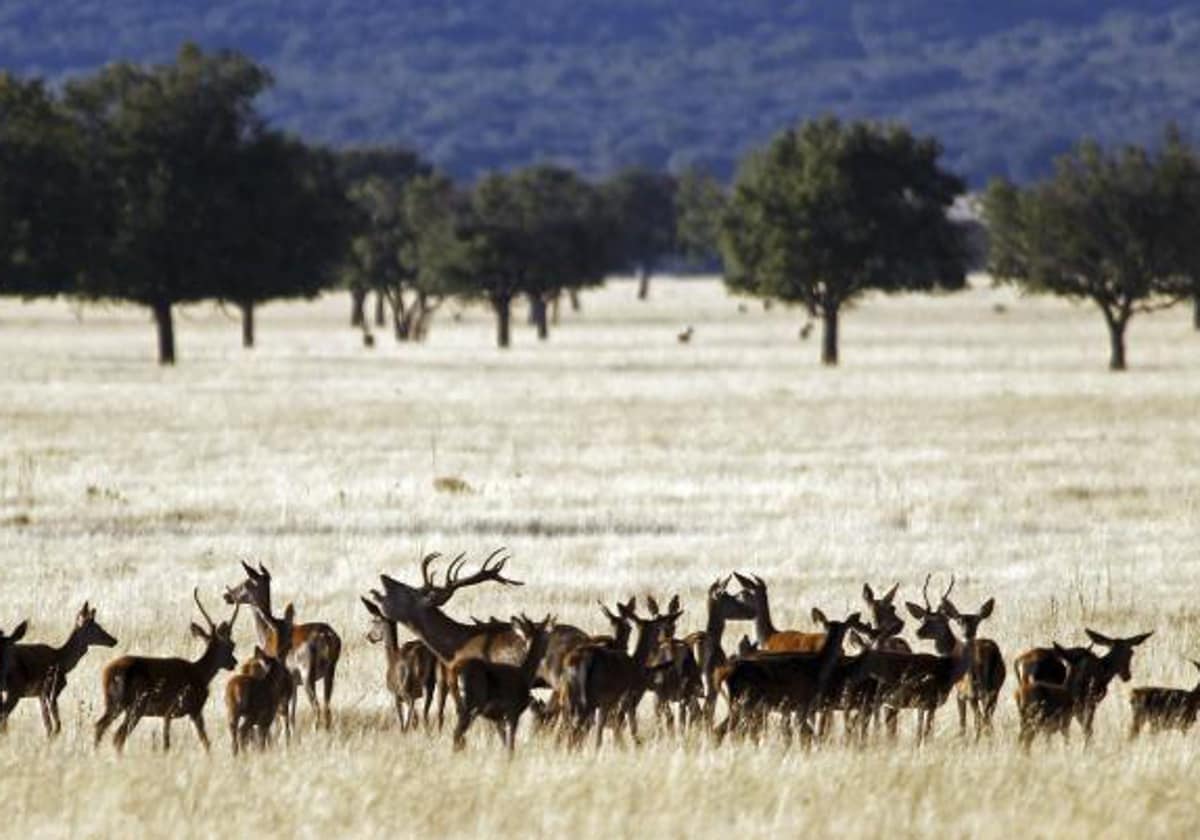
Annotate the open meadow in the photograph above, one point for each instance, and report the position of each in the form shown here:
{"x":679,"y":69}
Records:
{"x":979,"y":435}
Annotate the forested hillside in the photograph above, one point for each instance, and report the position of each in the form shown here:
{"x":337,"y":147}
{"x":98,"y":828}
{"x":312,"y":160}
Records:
{"x":597,"y":84}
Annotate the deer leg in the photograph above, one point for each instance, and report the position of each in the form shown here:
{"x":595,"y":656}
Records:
{"x":101,"y":726}
{"x":310,"y":689}
{"x":328,"y":715}
{"x":399,"y":702}
{"x":166,"y":733}
{"x":54,"y":710}
{"x":601,"y":722}
{"x":443,"y":689}
{"x":198,"y":722}
{"x":962,"y":715}
{"x":46,"y":721}
{"x":460,"y":728}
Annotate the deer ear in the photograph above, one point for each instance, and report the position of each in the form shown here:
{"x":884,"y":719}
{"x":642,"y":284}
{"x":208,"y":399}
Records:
{"x":673,"y":604}
{"x":891,"y":593}
{"x":250,"y":573}
{"x":652,"y":605}
{"x":746,"y":582}
{"x":289,"y":613}
{"x":18,"y":632}
{"x":986,"y":610}
{"x":1098,"y":638}
{"x":915,"y":610}
{"x":853,"y":619}
{"x":370,"y":605}
{"x":819,"y":617}
{"x":1134,"y":641}
{"x":199,"y":632}
{"x":868,"y":594}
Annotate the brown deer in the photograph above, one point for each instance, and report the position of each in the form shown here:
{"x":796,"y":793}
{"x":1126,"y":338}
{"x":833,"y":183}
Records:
{"x":792,"y":683}
{"x":1164,"y":708}
{"x":561,"y":646}
{"x":674,"y":676}
{"x":770,"y":639}
{"x":498,"y":691}
{"x":1048,"y":707}
{"x":41,"y":670}
{"x":722,"y":607}
{"x":604,"y":685}
{"x":411,"y":668}
{"x":255,"y":697}
{"x":144,"y":686}
{"x":980,"y":686}
{"x":315,"y":646}
{"x":1085,"y":674}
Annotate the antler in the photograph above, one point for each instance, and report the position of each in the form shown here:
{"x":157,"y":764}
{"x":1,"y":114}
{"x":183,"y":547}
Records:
{"x":925,"y":593}
{"x":203,"y":612}
{"x":233,"y":618}
{"x":426,"y":577}
{"x":488,"y":571}
{"x":949,"y":589}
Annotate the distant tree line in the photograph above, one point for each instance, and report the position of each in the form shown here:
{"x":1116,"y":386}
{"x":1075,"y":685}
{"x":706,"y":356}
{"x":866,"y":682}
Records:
{"x":163,"y":185}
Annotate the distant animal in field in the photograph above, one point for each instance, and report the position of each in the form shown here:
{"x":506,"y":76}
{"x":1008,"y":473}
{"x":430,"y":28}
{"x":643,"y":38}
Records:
{"x":1164,"y":708}
{"x":806,"y":331}
{"x":685,"y":335}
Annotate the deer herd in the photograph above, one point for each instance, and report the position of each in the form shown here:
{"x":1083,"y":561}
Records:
{"x":858,"y":666}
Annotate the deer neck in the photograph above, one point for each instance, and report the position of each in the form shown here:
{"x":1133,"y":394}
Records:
{"x":533,"y":658}
{"x":963,"y":655}
{"x":764,"y":628}
{"x":831,"y":651}
{"x":391,"y":640}
{"x":645,"y":640}
{"x":440,"y":633}
{"x":73,"y":649}
{"x":264,"y":619}
{"x":206,"y":667}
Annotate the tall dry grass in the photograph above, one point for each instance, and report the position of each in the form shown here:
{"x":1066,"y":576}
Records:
{"x":954,"y":439}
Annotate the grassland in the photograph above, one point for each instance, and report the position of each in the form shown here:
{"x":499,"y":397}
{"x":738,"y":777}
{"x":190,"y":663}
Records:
{"x":955,"y":438}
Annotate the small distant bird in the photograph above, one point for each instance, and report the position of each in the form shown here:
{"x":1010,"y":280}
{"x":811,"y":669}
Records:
{"x":685,"y":336}
{"x":806,"y":331}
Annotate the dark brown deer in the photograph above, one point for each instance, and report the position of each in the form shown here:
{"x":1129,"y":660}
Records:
{"x":979,"y":688}
{"x":674,"y":676}
{"x":315,"y":646}
{"x":553,"y":668}
{"x":41,"y":670}
{"x":498,"y":691}
{"x":144,"y":686}
{"x":771,"y":639}
{"x":1164,"y":708}
{"x":722,"y":607}
{"x":1048,"y":707}
{"x":791,"y":683}
{"x":254,"y":698}
{"x":605,"y":685}
{"x":411,"y":668}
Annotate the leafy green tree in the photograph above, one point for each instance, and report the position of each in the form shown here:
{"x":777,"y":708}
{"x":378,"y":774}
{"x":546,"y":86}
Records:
{"x":643,"y":206}
{"x":829,"y":211}
{"x":290,"y":224}
{"x":1116,"y":227}
{"x":700,"y":204}
{"x":45,"y":226}
{"x":163,"y":140}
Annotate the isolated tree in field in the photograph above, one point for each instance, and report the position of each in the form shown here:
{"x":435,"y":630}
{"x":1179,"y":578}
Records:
{"x":829,"y":211}
{"x":45,"y":226}
{"x":700,"y":205}
{"x":1117,"y":228}
{"x":290,"y":224}
{"x":642,"y":203}
{"x":163,"y":140}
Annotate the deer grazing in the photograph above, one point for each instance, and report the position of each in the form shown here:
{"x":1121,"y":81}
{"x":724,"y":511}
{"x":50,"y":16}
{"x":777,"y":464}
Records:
{"x":498,"y":691}
{"x":605,"y":685}
{"x":41,"y":670}
{"x":674,"y":673}
{"x":1060,"y":683}
{"x":412,"y":669}
{"x":144,"y":686}
{"x":770,"y":639}
{"x":315,"y":646}
{"x":1164,"y":708}
{"x":256,"y":696}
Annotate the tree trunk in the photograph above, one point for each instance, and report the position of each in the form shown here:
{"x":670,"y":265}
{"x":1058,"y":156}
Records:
{"x":1196,"y":310}
{"x":643,"y":283}
{"x":401,"y":324}
{"x":573,"y":294}
{"x":829,"y":336}
{"x":247,"y":307}
{"x":380,"y":316}
{"x":358,"y":301}
{"x":503,"y":309}
{"x":537,"y":313}
{"x":166,"y":332}
{"x":1116,"y":340}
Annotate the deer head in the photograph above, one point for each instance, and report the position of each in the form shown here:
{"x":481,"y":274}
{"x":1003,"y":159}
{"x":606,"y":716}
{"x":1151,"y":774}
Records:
{"x":1120,"y":651}
{"x":218,"y":638}
{"x":88,"y":631}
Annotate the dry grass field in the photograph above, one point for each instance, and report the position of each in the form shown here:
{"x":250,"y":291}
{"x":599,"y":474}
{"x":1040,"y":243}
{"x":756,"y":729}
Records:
{"x":955,"y":438}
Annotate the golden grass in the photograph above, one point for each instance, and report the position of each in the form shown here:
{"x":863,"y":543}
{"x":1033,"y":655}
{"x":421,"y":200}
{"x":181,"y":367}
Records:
{"x":613,"y":460}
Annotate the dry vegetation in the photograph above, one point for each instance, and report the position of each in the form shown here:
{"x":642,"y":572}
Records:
{"x":612,"y":460}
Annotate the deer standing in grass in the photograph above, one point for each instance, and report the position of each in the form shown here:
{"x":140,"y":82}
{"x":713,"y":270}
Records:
{"x":41,"y":670}
{"x":498,"y":691}
{"x":771,"y":639}
{"x":674,"y":676}
{"x":1164,"y":708}
{"x":560,"y":647}
{"x":722,"y":607}
{"x":144,"y":686}
{"x":256,"y":696}
{"x":412,"y":669}
{"x":315,"y":646}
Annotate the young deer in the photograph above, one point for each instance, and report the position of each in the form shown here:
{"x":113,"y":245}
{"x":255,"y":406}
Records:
{"x":1164,"y":708}
{"x":674,"y":673}
{"x":315,"y":646}
{"x":498,"y":691}
{"x":411,"y":668}
{"x":255,"y":697}
{"x":605,"y":684}
{"x":41,"y":670}
{"x":793,"y":683}
{"x":770,"y":639}
{"x":980,"y":686}
{"x":144,"y":686}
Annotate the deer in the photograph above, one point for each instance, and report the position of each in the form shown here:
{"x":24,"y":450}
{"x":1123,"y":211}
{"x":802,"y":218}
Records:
{"x":1164,"y":708}
{"x":41,"y":670}
{"x":498,"y":691}
{"x":605,"y":685}
{"x":770,"y":639}
{"x":924,"y":681}
{"x":412,"y":669}
{"x":793,"y":683}
{"x":144,"y":686}
{"x":1081,"y":671}
{"x":1048,"y":707}
{"x":255,"y":697}
{"x":315,"y":646}
{"x":722,"y":607}
{"x":674,"y":673}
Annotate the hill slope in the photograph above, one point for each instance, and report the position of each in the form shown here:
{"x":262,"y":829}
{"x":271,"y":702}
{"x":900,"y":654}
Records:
{"x":597,"y":84}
